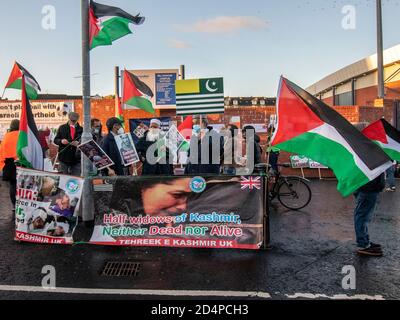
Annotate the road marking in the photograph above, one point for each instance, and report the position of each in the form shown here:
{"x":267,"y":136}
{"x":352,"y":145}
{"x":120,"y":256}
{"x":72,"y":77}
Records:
{"x":334,"y":297}
{"x":176,"y":293}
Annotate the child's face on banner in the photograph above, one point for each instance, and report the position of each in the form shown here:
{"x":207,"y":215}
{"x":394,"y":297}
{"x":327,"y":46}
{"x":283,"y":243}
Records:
{"x":166,"y":199}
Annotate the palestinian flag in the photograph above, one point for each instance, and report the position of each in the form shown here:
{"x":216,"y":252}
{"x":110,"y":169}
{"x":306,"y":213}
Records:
{"x":107,"y":24}
{"x":118,"y":109}
{"x":386,"y":136}
{"x":136,"y":93}
{"x":185,"y":129}
{"x":15,"y":81}
{"x":29,"y":150}
{"x":309,"y":127}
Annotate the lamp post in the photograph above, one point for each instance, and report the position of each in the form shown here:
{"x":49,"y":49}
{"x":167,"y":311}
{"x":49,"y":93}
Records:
{"x":87,"y":196}
{"x":381,"y":81}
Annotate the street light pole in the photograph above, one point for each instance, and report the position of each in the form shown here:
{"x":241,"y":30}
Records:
{"x":381,"y":81}
{"x":87,"y":201}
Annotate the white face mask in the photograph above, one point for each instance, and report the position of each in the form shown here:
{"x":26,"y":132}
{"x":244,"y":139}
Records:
{"x":121,"y":131}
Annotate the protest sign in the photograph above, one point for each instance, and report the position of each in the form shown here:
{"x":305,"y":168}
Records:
{"x":127,"y":149}
{"x":298,"y":162}
{"x":138,"y":127}
{"x":212,"y":212}
{"x":46,"y":114}
{"x":46,"y":207}
{"x":96,"y":155}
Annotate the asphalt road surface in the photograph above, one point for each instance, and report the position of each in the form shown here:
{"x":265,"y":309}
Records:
{"x":309,"y":250}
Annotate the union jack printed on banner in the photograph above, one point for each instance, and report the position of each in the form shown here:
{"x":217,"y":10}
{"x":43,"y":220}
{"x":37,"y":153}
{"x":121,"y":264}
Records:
{"x":251,"y":183}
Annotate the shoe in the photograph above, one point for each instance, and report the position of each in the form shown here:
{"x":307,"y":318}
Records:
{"x":390,"y":189}
{"x":393,"y":189}
{"x":375,"y":245}
{"x":371,"y":252}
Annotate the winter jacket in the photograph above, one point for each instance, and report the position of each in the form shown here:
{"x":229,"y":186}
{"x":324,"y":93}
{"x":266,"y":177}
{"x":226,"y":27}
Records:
{"x":374,"y":186}
{"x":68,"y":153}
{"x":111,"y":149}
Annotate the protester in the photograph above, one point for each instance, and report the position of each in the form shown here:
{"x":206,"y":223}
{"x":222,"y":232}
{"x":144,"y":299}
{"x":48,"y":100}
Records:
{"x":255,"y":139}
{"x":68,"y":138}
{"x":8,"y":155}
{"x":272,"y":152}
{"x":160,"y":164}
{"x":366,"y":199}
{"x":391,"y":182}
{"x":114,"y":126}
{"x":97,"y":128}
{"x":206,"y":150}
{"x":232,"y":151}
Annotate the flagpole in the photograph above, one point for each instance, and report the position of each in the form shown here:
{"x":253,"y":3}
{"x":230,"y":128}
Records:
{"x":87,"y":196}
{"x":3,"y":94}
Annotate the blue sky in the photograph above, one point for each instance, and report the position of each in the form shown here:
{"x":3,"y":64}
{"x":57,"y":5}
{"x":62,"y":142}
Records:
{"x":261,"y":39}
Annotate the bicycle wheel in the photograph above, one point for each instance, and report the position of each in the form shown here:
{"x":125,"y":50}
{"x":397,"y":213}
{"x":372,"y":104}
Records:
{"x":294,"y":193}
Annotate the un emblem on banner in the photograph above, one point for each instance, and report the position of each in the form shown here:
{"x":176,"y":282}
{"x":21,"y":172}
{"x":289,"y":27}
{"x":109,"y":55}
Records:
{"x":72,"y":185}
{"x":198,"y":184}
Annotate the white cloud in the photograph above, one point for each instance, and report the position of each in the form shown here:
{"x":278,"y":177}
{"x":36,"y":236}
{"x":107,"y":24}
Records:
{"x":225,"y":24}
{"x":179,"y":44}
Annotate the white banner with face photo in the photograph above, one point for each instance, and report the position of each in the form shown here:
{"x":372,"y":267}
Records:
{"x":47,"y":206}
{"x":127,"y":149}
{"x":96,"y":155}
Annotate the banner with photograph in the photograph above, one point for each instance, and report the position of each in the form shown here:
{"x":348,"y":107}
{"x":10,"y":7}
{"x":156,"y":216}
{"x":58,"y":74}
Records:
{"x":184,"y":212}
{"x":47,"y":115}
{"x":127,"y":149}
{"x":139,"y":126}
{"x":46,"y":207}
{"x":96,"y":155}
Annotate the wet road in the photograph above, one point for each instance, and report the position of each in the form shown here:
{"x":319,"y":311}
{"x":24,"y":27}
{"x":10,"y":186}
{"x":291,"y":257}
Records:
{"x":310,"y":248}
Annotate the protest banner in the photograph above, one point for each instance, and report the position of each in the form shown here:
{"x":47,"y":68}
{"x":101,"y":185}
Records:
{"x":298,"y":162}
{"x":195,"y":212}
{"x":96,"y":155}
{"x":47,"y":206}
{"x":127,"y":149}
{"x":46,"y":114}
{"x":138,"y":127}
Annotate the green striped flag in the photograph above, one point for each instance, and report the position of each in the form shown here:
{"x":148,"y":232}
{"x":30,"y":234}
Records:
{"x":200,"y":96}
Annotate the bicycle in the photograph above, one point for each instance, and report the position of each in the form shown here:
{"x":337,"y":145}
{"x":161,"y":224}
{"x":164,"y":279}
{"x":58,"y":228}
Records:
{"x":293,"y":192}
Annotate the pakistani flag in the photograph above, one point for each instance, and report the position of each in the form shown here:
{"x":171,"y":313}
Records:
{"x":15,"y":81}
{"x":309,"y":127}
{"x":386,"y":136}
{"x":29,"y":150}
{"x":136,"y":93}
{"x":201,"y":96}
{"x":107,"y":24}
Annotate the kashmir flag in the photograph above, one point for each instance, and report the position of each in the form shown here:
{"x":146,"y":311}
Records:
{"x":386,"y":136}
{"x":118,"y":109}
{"x":136,"y":93}
{"x":15,"y":81}
{"x":309,"y":127}
{"x":200,"y":96}
{"x":29,"y":150}
{"x":107,"y":24}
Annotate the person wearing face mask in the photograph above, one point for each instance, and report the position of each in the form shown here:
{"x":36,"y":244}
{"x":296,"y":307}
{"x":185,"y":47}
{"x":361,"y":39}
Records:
{"x":114,"y":126}
{"x":96,"y":130}
{"x":68,"y":138}
{"x":151,"y":136}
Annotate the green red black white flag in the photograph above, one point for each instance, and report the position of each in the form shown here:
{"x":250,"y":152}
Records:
{"x":309,"y":127}
{"x":386,"y":136}
{"x":107,"y":24}
{"x":136,"y":93}
{"x":15,"y":81}
{"x":29,"y":150}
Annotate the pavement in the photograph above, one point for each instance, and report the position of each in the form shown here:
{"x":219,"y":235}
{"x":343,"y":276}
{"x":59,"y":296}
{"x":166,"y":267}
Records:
{"x":309,"y":250}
